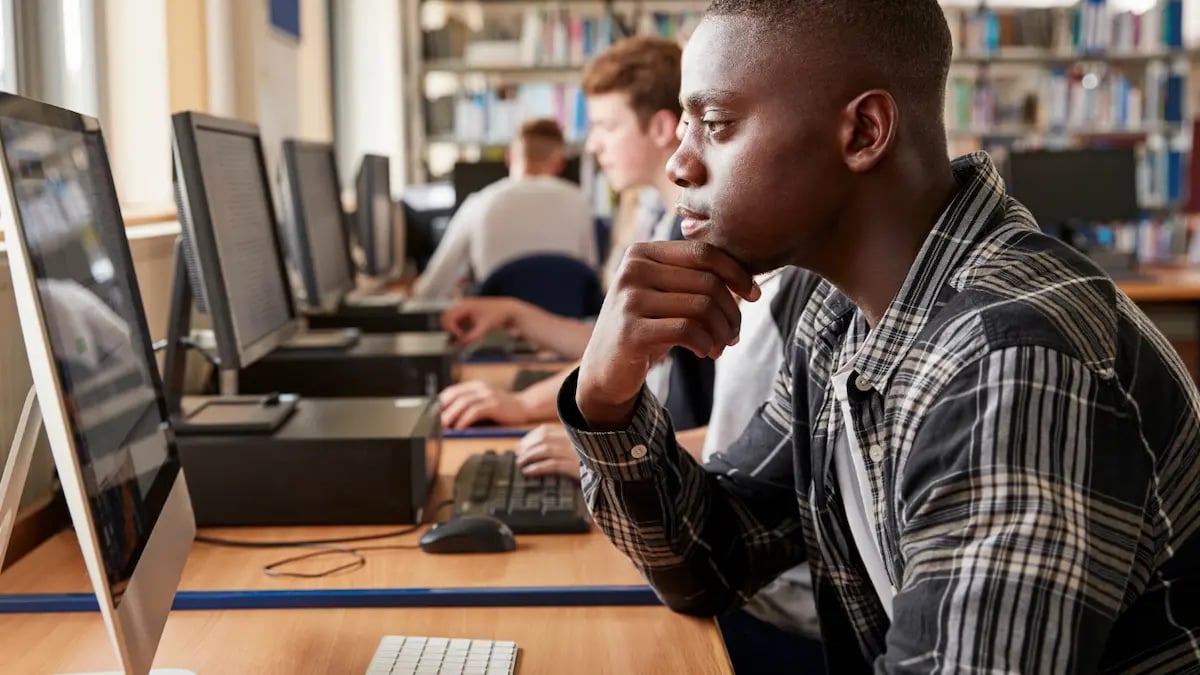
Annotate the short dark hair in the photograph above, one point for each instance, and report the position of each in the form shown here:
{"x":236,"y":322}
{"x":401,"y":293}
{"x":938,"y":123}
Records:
{"x":541,"y":139}
{"x":906,"y":43}
{"x":646,"y":68}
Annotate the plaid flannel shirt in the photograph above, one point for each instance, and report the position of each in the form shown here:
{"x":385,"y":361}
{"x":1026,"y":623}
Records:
{"x":1033,"y":447}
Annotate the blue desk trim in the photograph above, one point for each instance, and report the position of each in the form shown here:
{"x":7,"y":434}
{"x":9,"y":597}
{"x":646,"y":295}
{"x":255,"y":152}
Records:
{"x":485,"y":432}
{"x":581,"y":596}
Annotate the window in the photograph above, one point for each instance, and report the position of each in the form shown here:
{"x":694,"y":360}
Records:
{"x":8,"y":48}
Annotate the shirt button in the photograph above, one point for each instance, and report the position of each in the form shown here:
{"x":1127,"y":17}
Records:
{"x":876,"y":453}
{"x":638,"y":451}
{"x":862,"y":384}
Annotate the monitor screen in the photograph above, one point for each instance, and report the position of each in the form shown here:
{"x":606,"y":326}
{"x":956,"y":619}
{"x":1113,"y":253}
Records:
{"x":92,"y":311}
{"x":1064,"y":186}
{"x":244,"y":230}
{"x":316,"y":186}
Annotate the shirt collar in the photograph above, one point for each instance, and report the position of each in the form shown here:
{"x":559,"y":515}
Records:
{"x":967,"y":221}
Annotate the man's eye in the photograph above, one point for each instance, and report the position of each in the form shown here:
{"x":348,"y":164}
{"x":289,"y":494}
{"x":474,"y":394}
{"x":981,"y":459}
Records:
{"x":714,"y":126}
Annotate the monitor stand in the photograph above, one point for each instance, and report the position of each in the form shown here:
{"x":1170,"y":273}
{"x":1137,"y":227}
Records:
{"x":12,"y":484}
{"x":230,"y":414}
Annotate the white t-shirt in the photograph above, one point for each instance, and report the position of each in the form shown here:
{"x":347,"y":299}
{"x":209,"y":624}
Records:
{"x":511,"y":218}
{"x":745,"y":378}
{"x":854,"y":484}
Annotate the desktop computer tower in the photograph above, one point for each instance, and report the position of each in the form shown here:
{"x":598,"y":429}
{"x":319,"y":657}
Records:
{"x":334,"y":462}
{"x":405,"y":364}
{"x":407,"y":316}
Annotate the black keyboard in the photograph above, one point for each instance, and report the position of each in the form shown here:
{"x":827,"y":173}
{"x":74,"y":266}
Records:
{"x":490,"y":484}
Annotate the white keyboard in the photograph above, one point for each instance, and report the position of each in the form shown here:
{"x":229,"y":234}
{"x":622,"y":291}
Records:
{"x":406,"y":655}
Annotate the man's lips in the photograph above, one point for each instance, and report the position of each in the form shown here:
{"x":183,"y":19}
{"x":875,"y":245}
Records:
{"x":693,"y":221}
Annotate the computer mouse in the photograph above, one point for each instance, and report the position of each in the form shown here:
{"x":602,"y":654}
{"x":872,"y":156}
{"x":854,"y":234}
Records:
{"x":469,"y":534}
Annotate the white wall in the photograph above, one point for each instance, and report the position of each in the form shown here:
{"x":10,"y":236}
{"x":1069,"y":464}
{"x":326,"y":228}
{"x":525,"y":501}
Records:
{"x":261,"y":74}
{"x":369,"y":85}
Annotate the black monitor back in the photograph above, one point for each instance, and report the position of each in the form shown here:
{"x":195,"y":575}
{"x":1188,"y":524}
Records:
{"x":1061,"y":187}
{"x":427,"y":211}
{"x":374,"y":218}
{"x":471,"y":177}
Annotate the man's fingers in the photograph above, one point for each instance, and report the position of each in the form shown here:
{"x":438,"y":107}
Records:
{"x":702,"y":256}
{"x":553,"y":467}
{"x":691,"y":334}
{"x":720,"y":312}
{"x":465,"y":390}
{"x":477,"y":412}
{"x":451,"y":413}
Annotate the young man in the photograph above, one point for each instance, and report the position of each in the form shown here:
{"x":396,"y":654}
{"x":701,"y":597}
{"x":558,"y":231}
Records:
{"x":988,"y":455}
{"x":633,"y":108}
{"x":531,"y":211}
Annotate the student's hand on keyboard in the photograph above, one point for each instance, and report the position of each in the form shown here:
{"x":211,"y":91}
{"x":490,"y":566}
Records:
{"x":547,"y":451}
{"x":472,"y":318}
{"x":666,"y":294}
{"x":473,"y":402}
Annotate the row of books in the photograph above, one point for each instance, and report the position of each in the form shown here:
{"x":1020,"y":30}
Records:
{"x":1162,"y":175}
{"x":492,"y":115}
{"x":550,"y":37}
{"x":1067,"y":99}
{"x":1091,"y":27}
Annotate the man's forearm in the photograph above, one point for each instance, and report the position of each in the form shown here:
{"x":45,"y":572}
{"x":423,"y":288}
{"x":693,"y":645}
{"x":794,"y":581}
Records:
{"x":540,"y":398}
{"x":563,"y":336}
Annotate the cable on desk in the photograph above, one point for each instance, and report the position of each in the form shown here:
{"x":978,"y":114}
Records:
{"x":324,"y":548}
{"x":236,"y":543}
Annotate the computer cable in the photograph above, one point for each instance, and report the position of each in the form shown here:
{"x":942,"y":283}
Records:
{"x":242,"y":543}
{"x":324,"y":547}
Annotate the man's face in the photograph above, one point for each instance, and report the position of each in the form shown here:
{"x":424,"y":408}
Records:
{"x":759,"y":158}
{"x":627,"y":152}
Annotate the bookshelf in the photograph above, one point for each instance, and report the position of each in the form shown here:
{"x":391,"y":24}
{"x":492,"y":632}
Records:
{"x":1023,"y":75}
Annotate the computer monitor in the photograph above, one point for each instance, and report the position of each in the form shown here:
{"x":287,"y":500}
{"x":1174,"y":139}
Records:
{"x":471,"y":177}
{"x":93,"y":369}
{"x":227,"y":217}
{"x":427,"y":211}
{"x":375,"y":216}
{"x":1061,"y":187}
{"x":315,"y":223}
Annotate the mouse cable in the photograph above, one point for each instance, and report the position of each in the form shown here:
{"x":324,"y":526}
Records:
{"x":358,"y":562}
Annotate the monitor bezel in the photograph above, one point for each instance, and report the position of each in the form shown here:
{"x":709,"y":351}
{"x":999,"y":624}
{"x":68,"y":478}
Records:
{"x":134,"y":625}
{"x":197,"y":221}
{"x":372,"y":171}
{"x":298,"y":226}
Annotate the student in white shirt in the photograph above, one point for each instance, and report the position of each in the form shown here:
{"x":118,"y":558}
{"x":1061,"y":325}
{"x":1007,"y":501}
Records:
{"x":533,"y":211}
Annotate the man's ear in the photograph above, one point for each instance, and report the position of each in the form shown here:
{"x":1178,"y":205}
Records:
{"x":662,"y":128}
{"x":867,"y":129}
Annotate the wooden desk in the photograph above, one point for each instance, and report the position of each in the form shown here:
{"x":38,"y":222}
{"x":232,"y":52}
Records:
{"x":1180,"y":286}
{"x":324,"y":642}
{"x":544,"y":560}
{"x":500,"y":375}
{"x":553,"y":639}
